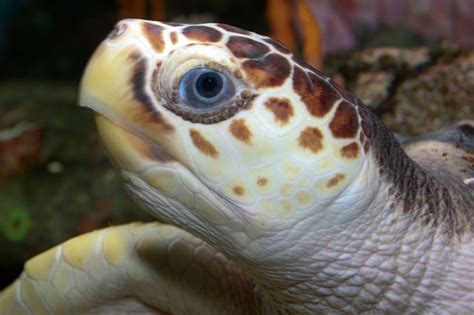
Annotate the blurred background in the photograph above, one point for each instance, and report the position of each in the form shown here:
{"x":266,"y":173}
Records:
{"x":411,"y":61}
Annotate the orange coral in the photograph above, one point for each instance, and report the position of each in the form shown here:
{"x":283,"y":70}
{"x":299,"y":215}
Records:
{"x":279,"y":13}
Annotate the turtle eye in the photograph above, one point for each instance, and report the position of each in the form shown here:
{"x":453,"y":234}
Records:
{"x":204,"y":89}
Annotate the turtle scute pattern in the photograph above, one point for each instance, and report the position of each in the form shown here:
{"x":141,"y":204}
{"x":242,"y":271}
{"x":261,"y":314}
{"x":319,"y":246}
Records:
{"x":138,"y":268}
{"x":285,"y":115}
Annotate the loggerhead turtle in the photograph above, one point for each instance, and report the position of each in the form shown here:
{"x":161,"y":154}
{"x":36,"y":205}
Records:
{"x":281,"y":192}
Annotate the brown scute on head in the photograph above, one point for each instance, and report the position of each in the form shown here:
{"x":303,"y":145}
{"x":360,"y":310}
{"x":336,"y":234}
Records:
{"x":262,"y":181}
{"x":154,"y":34}
{"x":270,"y":71}
{"x":277,"y":45}
{"x":138,"y":83}
{"x":345,"y":122}
{"x":239,"y":190}
{"x":335,"y":180}
{"x":244,"y":47}
{"x":281,"y":109}
{"x":233,"y":29}
{"x":240,"y":131}
{"x":174,"y":37}
{"x":316,"y":94}
{"x":350,"y":151}
{"x":311,"y":138}
{"x":203,"y":144}
{"x":202,"y":34}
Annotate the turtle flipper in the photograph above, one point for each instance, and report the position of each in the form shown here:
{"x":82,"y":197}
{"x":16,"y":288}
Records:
{"x":131,"y":269}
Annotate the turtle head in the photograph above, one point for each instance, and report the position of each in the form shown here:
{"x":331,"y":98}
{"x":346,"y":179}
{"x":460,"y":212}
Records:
{"x":226,"y":134}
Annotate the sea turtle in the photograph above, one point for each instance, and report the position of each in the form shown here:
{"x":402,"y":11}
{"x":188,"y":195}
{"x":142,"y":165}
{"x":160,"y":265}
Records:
{"x":281,"y":192}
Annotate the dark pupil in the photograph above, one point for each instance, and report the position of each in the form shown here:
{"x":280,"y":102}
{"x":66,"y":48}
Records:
{"x":209,"y":84}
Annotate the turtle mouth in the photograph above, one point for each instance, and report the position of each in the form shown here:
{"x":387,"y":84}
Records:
{"x":158,"y":182}
{"x":129,"y":150}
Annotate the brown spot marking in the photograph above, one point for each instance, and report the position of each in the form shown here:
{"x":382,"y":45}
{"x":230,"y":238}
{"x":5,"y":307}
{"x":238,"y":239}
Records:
{"x":316,"y":94}
{"x":311,"y":138}
{"x":272,"y":70}
{"x":406,"y":206}
{"x":350,"y":151}
{"x":233,"y":29}
{"x":239,"y":190}
{"x":202,"y":34}
{"x":154,"y":34}
{"x":174,"y":37}
{"x":345,"y":121}
{"x":240,"y":131}
{"x":335,"y":180}
{"x":244,"y":47}
{"x":203,"y":144}
{"x":281,"y":108}
{"x":426,"y":219}
{"x":262,"y":181}
{"x":277,"y":45}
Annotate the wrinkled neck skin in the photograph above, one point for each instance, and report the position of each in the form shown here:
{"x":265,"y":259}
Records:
{"x":396,"y":241}
{"x":406,"y":246}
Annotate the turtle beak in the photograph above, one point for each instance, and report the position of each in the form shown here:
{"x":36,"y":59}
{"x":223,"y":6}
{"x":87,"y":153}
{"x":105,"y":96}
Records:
{"x":126,"y":150}
{"x":105,"y":84}
{"x":107,"y":89}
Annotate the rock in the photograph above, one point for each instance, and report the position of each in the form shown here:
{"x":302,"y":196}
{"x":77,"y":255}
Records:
{"x":414,"y":90}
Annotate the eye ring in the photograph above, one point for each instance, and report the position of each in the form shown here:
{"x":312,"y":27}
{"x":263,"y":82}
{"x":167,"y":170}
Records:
{"x":168,"y":78}
{"x":218,"y":106}
{"x":204,"y":90}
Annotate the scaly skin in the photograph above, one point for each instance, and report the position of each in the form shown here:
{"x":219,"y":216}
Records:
{"x":293,"y":179}
{"x":131,"y":269}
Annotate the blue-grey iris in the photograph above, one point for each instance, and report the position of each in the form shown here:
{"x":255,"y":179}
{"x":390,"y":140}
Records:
{"x":204,"y":89}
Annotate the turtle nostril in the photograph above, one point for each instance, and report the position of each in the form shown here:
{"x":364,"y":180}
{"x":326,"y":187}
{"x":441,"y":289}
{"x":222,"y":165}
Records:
{"x":118,"y":30}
